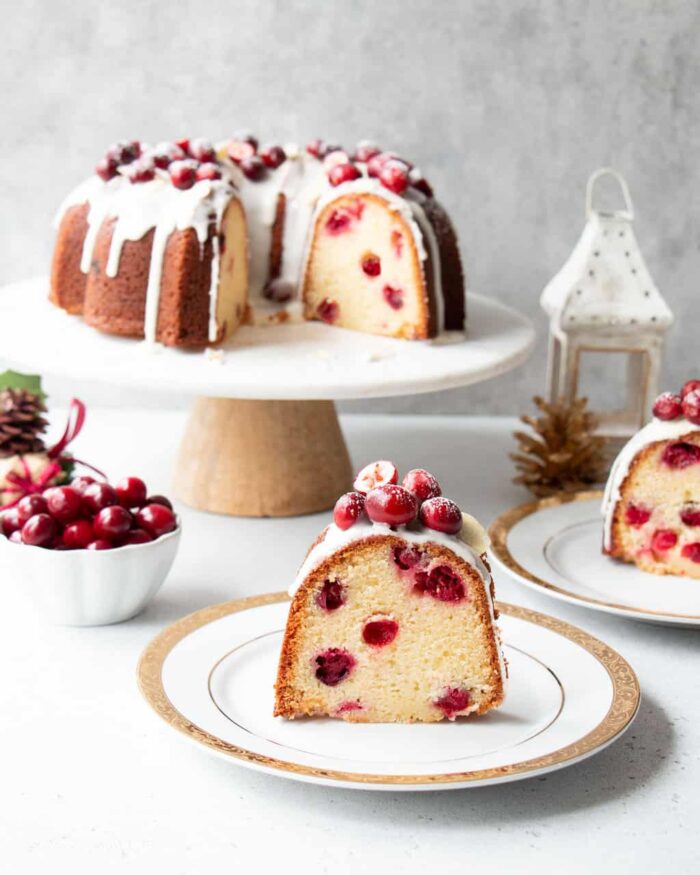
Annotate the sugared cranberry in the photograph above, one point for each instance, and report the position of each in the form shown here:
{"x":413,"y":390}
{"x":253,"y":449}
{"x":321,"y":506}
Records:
{"x":681,"y":455}
{"x":380,"y":632}
{"x":331,"y":596}
{"x":691,"y":407}
{"x":278,"y":290}
{"x":333,"y":159}
{"x":636,"y":515}
{"x":440,"y":583}
{"x":690,"y":515}
{"x":100,"y":544}
{"x":376,"y":474}
{"x":142,"y":170}
{"x":136,"y":536}
{"x":239,"y":150}
{"x":442,"y":515}
{"x":328,"y":310}
{"x":663,"y":539}
{"x":667,"y":406}
{"x":9,"y":521}
{"x":419,"y":182}
{"x":273,"y":156}
{"x":77,"y":535}
{"x":334,"y":665}
{"x":112,"y":523}
{"x":207,"y":171}
{"x":64,"y":503}
{"x":316,"y":147}
{"x":690,"y":386}
{"x":406,"y":557}
{"x":160,"y":499}
{"x":692,"y":552}
{"x":131,"y":492}
{"x":394,"y":176}
{"x":453,"y":700}
{"x":422,"y":484}
{"x":348,"y":509}
{"x":343,"y":173}
{"x":364,"y":151}
{"x":202,"y":150}
{"x":106,"y":168}
{"x":80,"y":484}
{"x":377,"y":161}
{"x":183,"y":174}
{"x":39,"y":531}
{"x":253,"y":168}
{"x":124,"y":151}
{"x":393,"y":297}
{"x":99,"y":495}
{"x":29,"y":506}
{"x":183,"y":144}
{"x":371,"y":264}
{"x":156,"y":519}
{"x":164,"y":154}
{"x":391,"y":504}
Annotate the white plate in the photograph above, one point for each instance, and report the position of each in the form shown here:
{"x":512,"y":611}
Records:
{"x":554,"y":546}
{"x":211,"y":677}
{"x":295,"y":361}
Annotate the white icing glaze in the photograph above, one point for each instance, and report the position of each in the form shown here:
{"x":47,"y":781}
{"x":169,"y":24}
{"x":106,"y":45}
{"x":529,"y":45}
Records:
{"x":656,"y":430}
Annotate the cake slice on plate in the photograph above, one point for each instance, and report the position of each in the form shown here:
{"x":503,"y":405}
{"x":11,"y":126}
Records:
{"x":392,"y":616}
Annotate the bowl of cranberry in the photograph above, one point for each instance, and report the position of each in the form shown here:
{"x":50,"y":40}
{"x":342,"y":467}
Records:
{"x":88,"y":554}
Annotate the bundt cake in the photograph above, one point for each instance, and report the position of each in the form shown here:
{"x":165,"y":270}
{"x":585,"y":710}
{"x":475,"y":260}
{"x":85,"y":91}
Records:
{"x":651,"y":505}
{"x":181,"y":242}
{"x":392,"y":616}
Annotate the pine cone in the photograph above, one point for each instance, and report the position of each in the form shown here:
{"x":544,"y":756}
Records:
{"x":21,"y":422}
{"x":563,"y":454}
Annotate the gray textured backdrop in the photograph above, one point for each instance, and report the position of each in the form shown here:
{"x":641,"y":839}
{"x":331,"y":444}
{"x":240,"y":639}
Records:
{"x":507,"y":106}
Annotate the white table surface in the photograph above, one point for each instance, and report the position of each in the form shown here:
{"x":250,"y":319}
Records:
{"x":92,"y":781}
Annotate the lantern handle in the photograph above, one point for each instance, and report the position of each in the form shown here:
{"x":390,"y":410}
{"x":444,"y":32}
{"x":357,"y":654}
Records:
{"x":595,"y":176}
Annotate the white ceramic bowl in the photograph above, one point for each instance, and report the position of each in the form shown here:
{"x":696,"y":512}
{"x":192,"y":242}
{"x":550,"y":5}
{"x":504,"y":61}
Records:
{"x":89,"y":587}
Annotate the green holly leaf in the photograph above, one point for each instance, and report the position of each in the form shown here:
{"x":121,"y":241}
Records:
{"x":29,"y":382}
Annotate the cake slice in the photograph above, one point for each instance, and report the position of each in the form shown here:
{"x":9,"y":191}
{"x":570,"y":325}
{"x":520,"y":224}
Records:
{"x":651,"y":506}
{"x":392,"y":616}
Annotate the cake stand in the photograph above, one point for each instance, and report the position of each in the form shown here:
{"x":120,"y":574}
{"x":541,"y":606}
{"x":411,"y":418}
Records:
{"x":263,"y":438}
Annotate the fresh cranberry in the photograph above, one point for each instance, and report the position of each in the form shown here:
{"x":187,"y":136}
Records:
{"x":328,"y":310}
{"x":690,"y":515}
{"x":207,"y":171}
{"x":273,"y":156}
{"x":160,"y":499}
{"x":663,"y":539}
{"x":202,"y":150}
{"x":164,"y":154}
{"x":442,"y":515}
{"x":691,"y":407}
{"x":419,"y":182}
{"x":64,"y":503}
{"x":338,"y":222}
{"x":343,"y":173}
{"x":112,"y":523}
{"x":124,"y":151}
{"x":142,"y":170}
{"x":690,"y":386}
{"x":636,"y":515}
{"x":379,"y":633}
{"x":136,"y":536}
{"x":80,"y":484}
{"x":371,"y":264}
{"x":397,"y":242}
{"x":99,"y":495}
{"x":29,"y":506}
{"x":391,"y":504}
{"x":406,"y":557}
{"x":348,"y":509}
{"x":376,"y":474}
{"x":240,"y":150}
{"x":692,"y":552}
{"x":77,"y":535}
{"x":334,"y":665}
{"x":183,"y":174}
{"x":100,"y":544}
{"x":667,"y":406}
{"x":422,"y":484}
{"x":441,"y":583}
{"x":106,"y":168}
{"x":39,"y":531}
{"x":9,"y":522}
{"x":253,"y":168}
{"x":453,"y":700}
{"x":156,"y":519}
{"x":394,"y":176}
{"x":393,"y":297}
{"x":131,"y":492}
{"x":364,"y":151}
{"x":681,"y":455}
{"x":331,"y":596}
{"x":348,"y":705}
{"x":278,"y":290}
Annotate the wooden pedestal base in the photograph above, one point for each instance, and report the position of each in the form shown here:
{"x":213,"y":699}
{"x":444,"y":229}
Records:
{"x":262,"y":458}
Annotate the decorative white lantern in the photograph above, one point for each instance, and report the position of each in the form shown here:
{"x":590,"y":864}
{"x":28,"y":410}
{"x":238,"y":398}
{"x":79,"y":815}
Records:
{"x":604,"y":300}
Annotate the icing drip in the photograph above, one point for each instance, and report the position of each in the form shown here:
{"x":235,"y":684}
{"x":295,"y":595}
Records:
{"x":656,"y":430}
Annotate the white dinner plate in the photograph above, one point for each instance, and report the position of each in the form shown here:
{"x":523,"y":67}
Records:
{"x":211,"y":677}
{"x":554,"y":546}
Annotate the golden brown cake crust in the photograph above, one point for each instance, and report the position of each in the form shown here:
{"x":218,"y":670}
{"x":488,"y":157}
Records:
{"x":67,"y":279}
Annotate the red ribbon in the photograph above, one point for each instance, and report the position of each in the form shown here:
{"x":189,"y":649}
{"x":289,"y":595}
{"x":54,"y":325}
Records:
{"x":76,"y":420}
{"x":24,"y":485}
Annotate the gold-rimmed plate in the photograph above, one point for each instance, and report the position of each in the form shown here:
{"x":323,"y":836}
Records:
{"x":211,"y":675}
{"x":554,"y":546}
